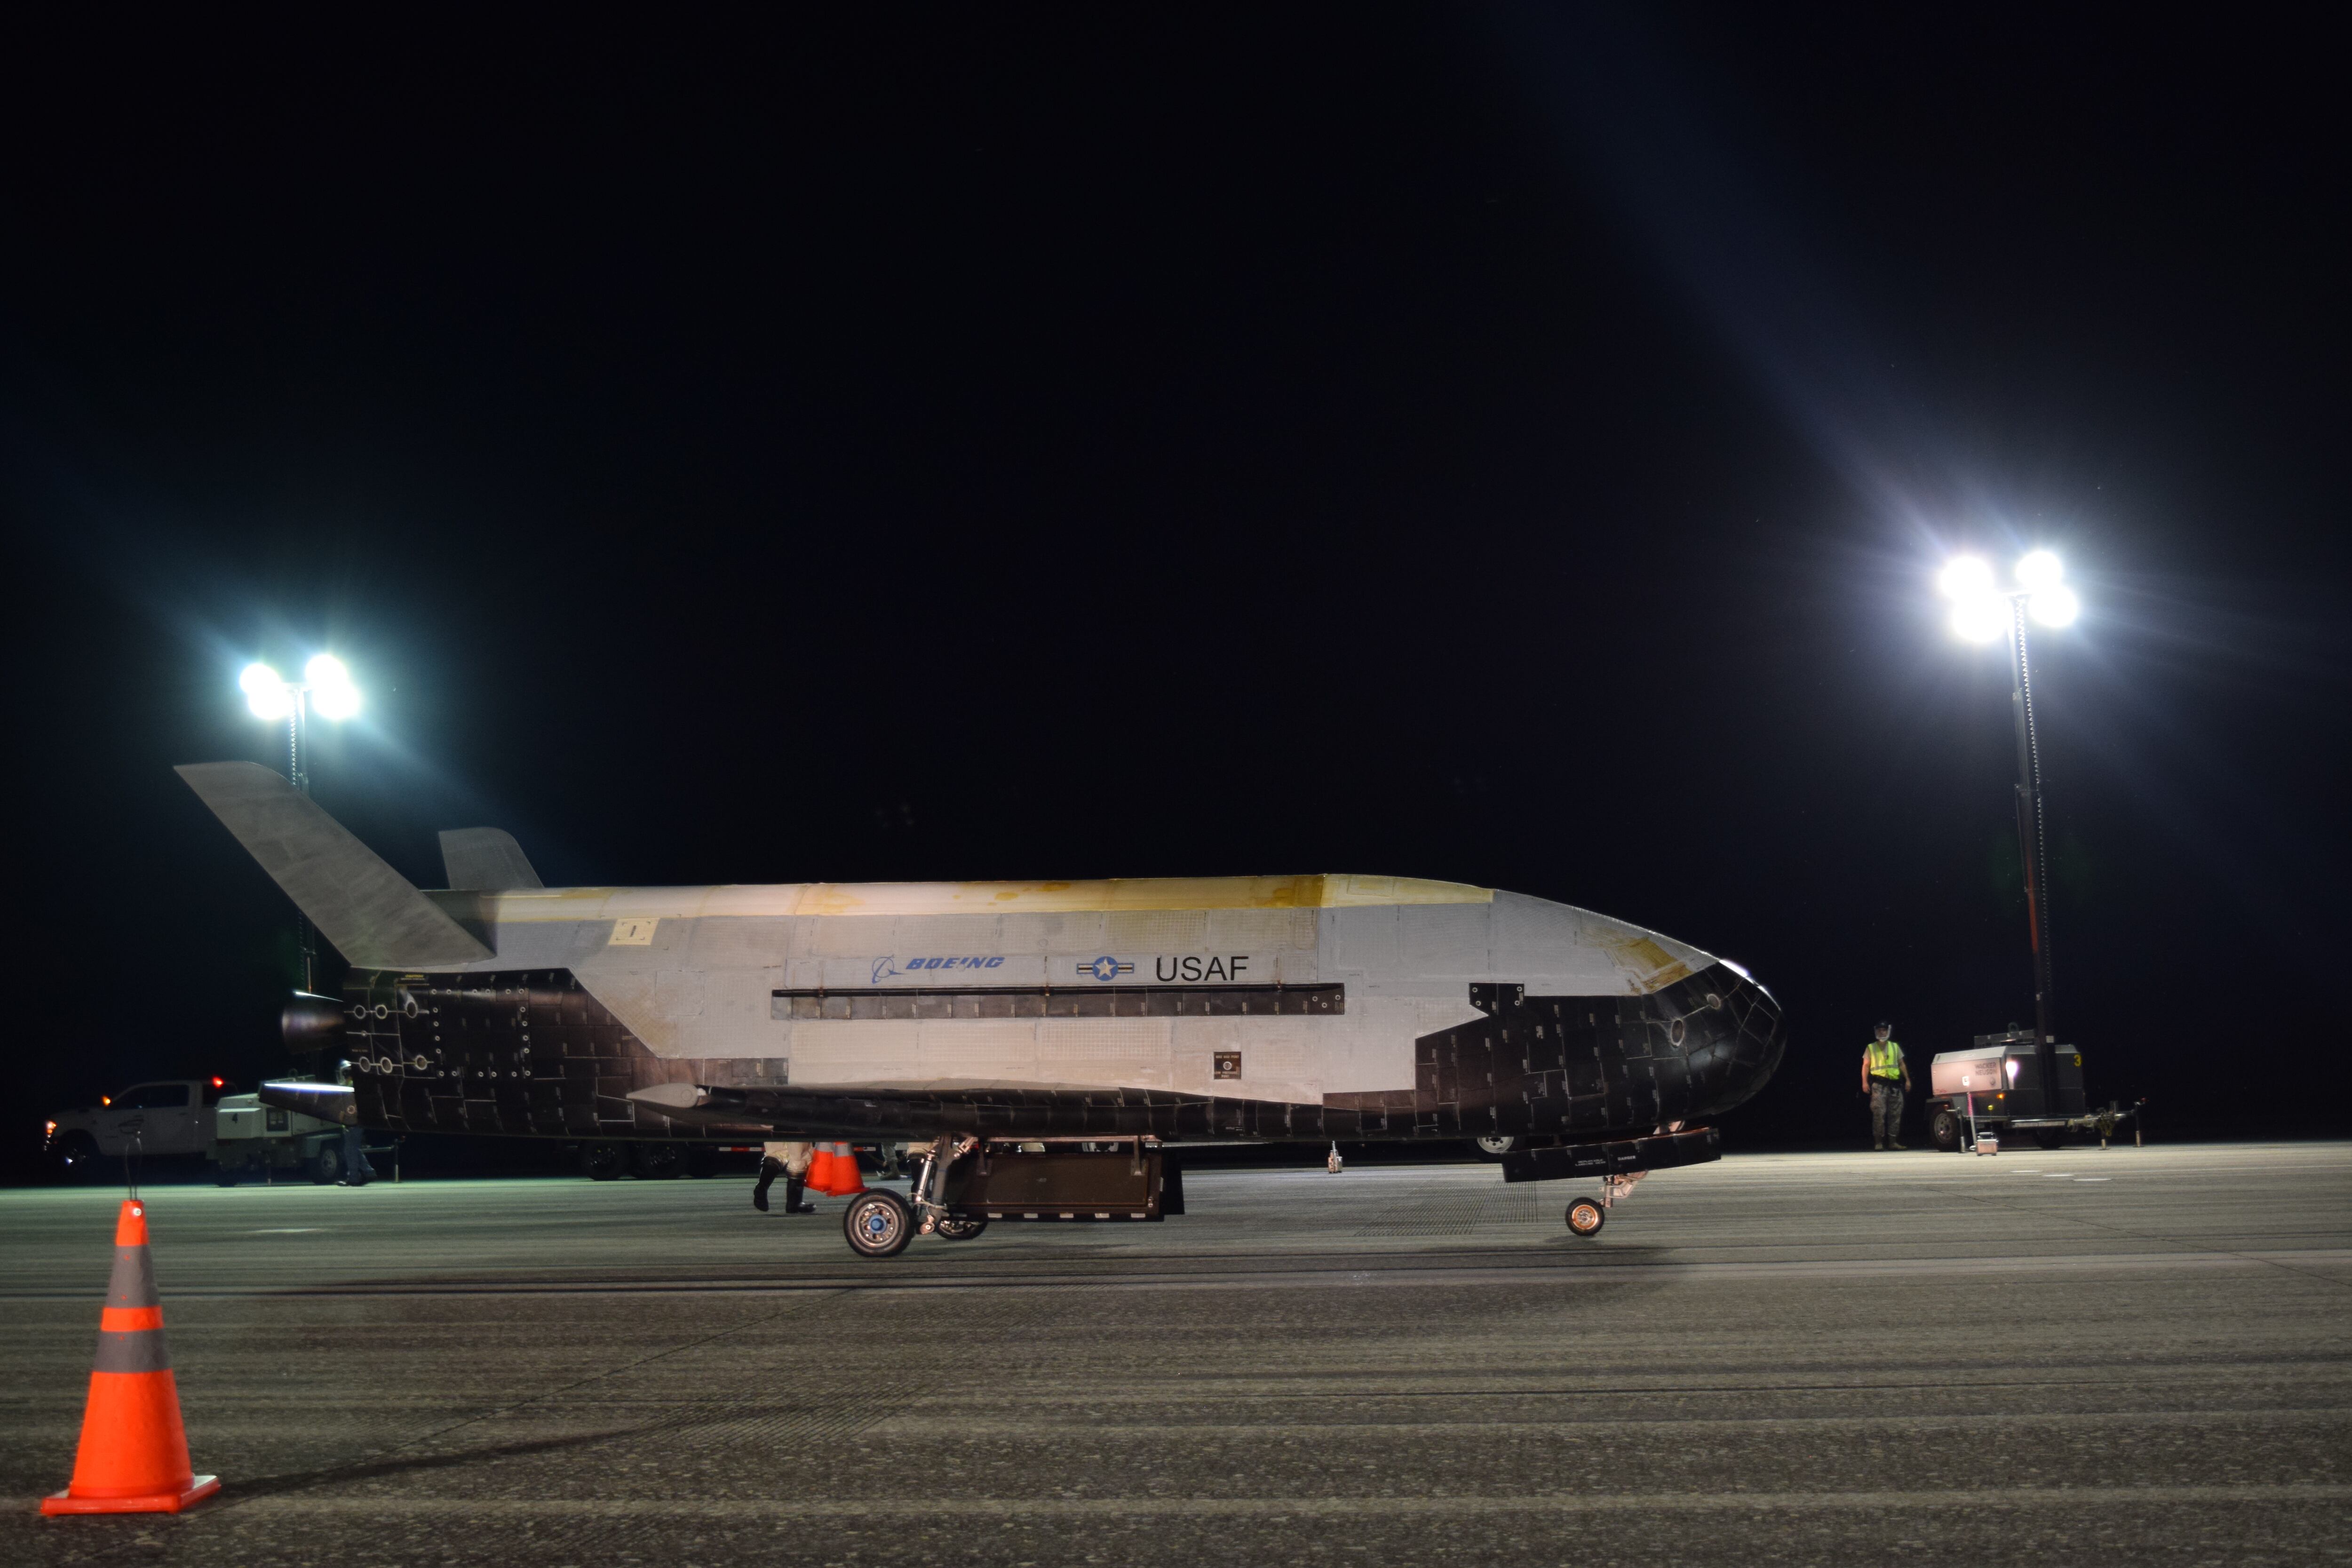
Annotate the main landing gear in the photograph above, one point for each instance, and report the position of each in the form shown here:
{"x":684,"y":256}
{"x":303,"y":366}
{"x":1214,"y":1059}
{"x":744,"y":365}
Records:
{"x":1586,"y":1215}
{"x":878,"y":1224}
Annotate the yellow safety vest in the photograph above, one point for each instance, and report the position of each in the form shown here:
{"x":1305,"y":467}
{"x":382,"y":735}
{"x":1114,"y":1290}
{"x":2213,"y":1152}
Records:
{"x":1885,"y":1059}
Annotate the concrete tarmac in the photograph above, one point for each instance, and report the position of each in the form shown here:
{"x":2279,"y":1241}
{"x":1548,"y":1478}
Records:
{"x":2142,"y":1354}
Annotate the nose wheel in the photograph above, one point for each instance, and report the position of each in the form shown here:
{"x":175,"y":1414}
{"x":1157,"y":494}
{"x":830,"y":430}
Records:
{"x":1586,"y":1216}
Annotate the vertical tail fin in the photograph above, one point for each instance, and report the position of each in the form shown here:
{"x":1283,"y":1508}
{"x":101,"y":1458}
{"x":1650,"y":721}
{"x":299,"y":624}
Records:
{"x":485,"y":860}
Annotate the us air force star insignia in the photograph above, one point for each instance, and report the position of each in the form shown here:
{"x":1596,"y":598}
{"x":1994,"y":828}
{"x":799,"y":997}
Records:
{"x":1107,"y":968}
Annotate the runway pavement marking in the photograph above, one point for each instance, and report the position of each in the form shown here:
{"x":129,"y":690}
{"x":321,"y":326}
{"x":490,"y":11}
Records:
{"x":304,"y":1505}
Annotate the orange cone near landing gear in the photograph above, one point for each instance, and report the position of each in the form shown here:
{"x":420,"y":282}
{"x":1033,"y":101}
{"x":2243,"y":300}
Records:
{"x":820,"y":1172}
{"x":845,"y":1171}
{"x":134,"y":1454}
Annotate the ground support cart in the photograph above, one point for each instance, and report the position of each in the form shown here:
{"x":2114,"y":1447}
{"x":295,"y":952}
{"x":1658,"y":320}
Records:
{"x":1982,"y":1097}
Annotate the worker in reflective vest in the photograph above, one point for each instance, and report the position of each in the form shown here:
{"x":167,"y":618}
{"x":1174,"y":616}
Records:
{"x":1886,"y":1079}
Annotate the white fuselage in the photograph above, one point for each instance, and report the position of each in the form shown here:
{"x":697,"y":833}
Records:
{"x":695,"y":973}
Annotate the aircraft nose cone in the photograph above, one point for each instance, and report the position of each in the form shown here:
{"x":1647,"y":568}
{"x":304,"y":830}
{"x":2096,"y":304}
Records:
{"x":1737,"y":1042}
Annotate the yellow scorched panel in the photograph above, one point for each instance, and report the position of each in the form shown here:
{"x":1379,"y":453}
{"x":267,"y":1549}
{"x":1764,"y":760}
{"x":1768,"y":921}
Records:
{"x":1114,"y":895}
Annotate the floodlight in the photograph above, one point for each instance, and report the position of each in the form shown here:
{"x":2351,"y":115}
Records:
{"x":1980,"y":618}
{"x":1965,"y":577}
{"x":331,"y":692}
{"x":2039,"y":571}
{"x":2056,"y":606}
{"x":337,"y":701}
{"x":264,"y":693}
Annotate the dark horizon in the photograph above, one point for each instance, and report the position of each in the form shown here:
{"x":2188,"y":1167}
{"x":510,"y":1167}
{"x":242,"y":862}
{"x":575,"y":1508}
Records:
{"x":1505,"y":447}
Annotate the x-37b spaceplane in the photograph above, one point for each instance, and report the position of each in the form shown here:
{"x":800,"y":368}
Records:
{"x":1043,"y":1041}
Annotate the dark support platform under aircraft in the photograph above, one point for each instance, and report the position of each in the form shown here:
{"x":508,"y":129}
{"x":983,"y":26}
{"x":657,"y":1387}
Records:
{"x":1694,"y":1147}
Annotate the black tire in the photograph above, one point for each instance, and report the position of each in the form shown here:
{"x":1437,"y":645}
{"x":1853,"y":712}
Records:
{"x":75,"y":1158}
{"x":2049,"y":1137}
{"x":604,"y":1162}
{"x":1493,"y":1146}
{"x":1586,"y":1216}
{"x":952,"y":1229}
{"x":226,"y":1175}
{"x":660,"y":1162}
{"x":327,"y":1164}
{"x":878,"y":1224}
{"x":1944,"y":1130}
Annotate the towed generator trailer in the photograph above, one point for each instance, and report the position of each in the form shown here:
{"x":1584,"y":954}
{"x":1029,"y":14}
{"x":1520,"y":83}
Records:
{"x":1992,"y":1089}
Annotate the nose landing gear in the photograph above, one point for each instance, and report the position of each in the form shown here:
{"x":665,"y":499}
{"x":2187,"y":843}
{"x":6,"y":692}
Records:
{"x":1586,"y":1215}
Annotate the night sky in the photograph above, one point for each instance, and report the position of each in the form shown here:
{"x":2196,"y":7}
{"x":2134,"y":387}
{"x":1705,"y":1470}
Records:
{"x":1502,"y":446}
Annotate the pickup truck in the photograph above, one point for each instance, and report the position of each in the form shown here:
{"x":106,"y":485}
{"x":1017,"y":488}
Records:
{"x":235,"y":1133}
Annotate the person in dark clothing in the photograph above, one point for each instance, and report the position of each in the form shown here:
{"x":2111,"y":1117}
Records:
{"x":789,"y":1161}
{"x":357,"y":1172}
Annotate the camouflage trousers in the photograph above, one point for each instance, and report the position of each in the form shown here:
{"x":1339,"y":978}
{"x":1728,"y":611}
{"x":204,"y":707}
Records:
{"x":1886,"y":1110}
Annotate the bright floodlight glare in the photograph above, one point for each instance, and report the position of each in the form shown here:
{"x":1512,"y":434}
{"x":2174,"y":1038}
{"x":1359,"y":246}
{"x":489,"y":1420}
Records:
{"x":331,"y":692}
{"x":335,"y":701}
{"x":1965,"y":577}
{"x":2054,"y":606}
{"x":2039,"y":571}
{"x":264,"y":693}
{"x":1980,"y":619}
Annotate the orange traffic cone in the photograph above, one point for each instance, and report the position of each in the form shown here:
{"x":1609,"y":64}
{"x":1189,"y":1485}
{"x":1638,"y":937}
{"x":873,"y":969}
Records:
{"x":820,"y":1172}
{"x":134,"y":1454}
{"x":845,"y":1171}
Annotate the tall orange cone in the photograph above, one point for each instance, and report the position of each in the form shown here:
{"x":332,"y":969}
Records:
{"x":845,"y":1171}
{"x":820,"y":1172}
{"x":134,"y":1454}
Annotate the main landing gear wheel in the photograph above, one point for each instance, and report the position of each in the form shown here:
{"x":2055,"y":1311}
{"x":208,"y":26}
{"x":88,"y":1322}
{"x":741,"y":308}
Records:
{"x":878,"y":1224}
{"x":604,"y":1162}
{"x":960,"y":1229}
{"x":1586,"y":1216}
{"x":1493,"y":1145}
